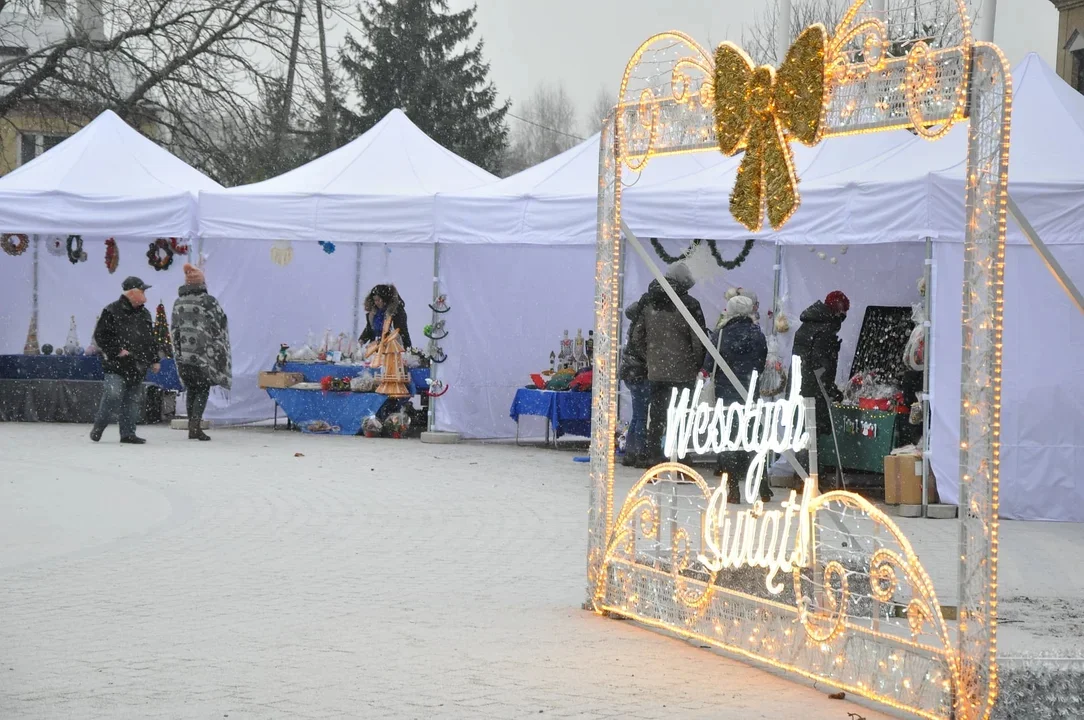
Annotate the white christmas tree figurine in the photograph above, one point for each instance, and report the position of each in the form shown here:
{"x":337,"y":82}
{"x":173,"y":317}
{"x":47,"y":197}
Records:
{"x":71,"y":346}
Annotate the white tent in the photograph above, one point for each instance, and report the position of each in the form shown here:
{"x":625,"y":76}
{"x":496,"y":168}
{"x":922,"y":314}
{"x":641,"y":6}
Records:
{"x":377,"y":188}
{"x":374,"y":197}
{"x":106,"y":180}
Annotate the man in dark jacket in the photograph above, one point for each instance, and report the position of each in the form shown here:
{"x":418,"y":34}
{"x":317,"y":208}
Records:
{"x":125,"y":337}
{"x":817,"y":343}
{"x":672,"y":350}
{"x":634,"y":375}
{"x":742,"y":345}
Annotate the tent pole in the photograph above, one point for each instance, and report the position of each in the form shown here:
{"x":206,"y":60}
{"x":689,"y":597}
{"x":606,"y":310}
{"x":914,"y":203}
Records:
{"x":432,"y":419}
{"x":31,"y":347}
{"x":777,"y":272}
{"x":927,"y":336}
{"x":357,"y":288}
{"x":1052,"y":265}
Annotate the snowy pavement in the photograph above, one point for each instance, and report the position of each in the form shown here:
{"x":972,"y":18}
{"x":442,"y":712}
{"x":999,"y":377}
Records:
{"x":365,"y":579}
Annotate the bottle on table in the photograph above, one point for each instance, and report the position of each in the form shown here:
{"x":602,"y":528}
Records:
{"x":578,"y":357}
{"x":589,"y":347}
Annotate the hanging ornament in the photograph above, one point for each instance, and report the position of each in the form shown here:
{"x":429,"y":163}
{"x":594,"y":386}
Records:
{"x":75,"y":249}
{"x":436,"y":331}
{"x":282,"y":253}
{"x":712,"y":246}
{"x":56,"y":246}
{"x":436,"y":388}
{"x":14,"y":247}
{"x":329,"y":247}
{"x":160,"y":254}
{"x":441,"y":305}
{"x":178,"y":247}
{"x":112,"y":255}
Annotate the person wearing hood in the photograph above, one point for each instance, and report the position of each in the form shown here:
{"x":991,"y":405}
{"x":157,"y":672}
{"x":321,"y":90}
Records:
{"x":384,"y":303}
{"x":124,"y":336}
{"x":201,"y":345}
{"x":817,"y":343}
{"x":674,"y":354}
{"x":742,"y":346}
{"x":634,"y":374}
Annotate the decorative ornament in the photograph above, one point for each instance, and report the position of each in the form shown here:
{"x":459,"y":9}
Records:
{"x":441,"y":305}
{"x":282,"y":253}
{"x":59,"y":352}
{"x":762,"y":110}
{"x":178,"y":247}
{"x":372,"y":427}
{"x":389,"y":358}
{"x":435,"y":331}
{"x":712,"y":245}
{"x":160,"y":254}
{"x":46,"y":349}
{"x":284,"y":353}
{"x":161,"y":332}
{"x":436,"y":352}
{"x":436,"y":388}
{"x":16,"y":247}
{"x":75,"y":249}
{"x":56,"y":246}
{"x":71,"y":344}
{"x":329,"y":247}
{"x":112,"y":255}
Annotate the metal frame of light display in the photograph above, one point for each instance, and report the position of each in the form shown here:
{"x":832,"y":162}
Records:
{"x":858,"y":610}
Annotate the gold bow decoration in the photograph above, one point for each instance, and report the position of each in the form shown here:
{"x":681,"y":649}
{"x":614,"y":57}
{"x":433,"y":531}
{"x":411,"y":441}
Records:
{"x":761,"y":110}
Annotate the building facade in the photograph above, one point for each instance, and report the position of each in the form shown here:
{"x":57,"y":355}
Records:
{"x":1070,"y":64}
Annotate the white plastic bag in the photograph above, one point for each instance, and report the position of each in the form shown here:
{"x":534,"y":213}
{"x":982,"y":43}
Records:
{"x":915,"y":348}
{"x":774,"y":379}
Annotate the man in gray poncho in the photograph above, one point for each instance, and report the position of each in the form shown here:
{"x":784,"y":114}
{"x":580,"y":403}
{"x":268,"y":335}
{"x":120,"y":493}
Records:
{"x":201,"y":344}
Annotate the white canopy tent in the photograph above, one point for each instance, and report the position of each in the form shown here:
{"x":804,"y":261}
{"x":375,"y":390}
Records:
{"x":375,"y":198}
{"x":379,"y":188}
{"x":105,"y":181}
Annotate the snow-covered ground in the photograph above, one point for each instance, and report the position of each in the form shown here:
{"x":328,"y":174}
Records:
{"x":276,"y":575}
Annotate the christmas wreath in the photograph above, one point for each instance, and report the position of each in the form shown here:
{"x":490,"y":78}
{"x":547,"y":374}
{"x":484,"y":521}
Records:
{"x":712,"y":245}
{"x":112,"y":255}
{"x":160,"y":254}
{"x":16,"y":247}
{"x":75,"y":249}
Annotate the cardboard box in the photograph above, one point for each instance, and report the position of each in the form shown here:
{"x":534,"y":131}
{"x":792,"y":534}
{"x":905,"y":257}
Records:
{"x":903,"y":481}
{"x":279,"y":379}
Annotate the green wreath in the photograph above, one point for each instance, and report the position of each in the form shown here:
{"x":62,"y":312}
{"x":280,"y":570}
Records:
{"x":75,"y":249}
{"x":712,"y":245}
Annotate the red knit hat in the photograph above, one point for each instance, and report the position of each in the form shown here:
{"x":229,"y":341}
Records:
{"x":839,"y":302}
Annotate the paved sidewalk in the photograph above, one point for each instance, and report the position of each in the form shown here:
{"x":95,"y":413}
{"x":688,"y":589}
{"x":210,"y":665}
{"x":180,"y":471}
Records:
{"x":366,"y":579}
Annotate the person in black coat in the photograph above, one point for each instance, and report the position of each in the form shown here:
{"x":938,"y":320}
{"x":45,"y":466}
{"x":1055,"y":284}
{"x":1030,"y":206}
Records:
{"x":742,"y":346}
{"x":125,"y":336}
{"x":817,"y":343}
{"x":384,"y":302}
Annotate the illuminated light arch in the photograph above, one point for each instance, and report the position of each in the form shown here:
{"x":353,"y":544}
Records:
{"x":868,"y":622}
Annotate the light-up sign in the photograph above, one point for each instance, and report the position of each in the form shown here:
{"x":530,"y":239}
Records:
{"x":756,"y":426}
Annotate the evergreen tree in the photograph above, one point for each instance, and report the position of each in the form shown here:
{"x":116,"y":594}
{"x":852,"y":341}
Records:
{"x":417,"y":55}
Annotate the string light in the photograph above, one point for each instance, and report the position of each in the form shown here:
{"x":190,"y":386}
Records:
{"x":908,"y":661}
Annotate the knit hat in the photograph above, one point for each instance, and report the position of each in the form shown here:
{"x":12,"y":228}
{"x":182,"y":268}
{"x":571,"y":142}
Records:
{"x":680,"y":274}
{"x":838,"y":302}
{"x":193,"y":275}
{"x":739,"y":306}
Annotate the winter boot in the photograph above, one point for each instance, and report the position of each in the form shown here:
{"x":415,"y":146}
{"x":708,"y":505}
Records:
{"x":195,"y":432}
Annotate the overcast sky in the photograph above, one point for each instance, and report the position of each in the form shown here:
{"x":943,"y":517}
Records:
{"x":585,"y":44}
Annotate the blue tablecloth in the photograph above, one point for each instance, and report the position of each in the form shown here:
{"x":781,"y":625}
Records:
{"x":568,"y":412}
{"x":315,"y":372}
{"x":76,"y":367}
{"x":343,"y":411}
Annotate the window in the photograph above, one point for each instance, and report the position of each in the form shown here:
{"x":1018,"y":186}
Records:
{"x":1078,"y":71}
{"x":33,"y":144}
{"x":54,"y":8}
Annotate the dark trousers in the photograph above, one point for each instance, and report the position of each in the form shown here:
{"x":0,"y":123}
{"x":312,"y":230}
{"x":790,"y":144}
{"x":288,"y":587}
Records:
{"x":196,"y":390}
{"x":641,"y":401}
{"x":656,"y":420}
{"x":120,"y":398}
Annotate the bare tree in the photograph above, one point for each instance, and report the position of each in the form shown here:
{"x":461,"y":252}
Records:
{"x":907,"y":21}
{"x":193,"y":74}
{"x":604,"y":103}
{"x":544,"y":126}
